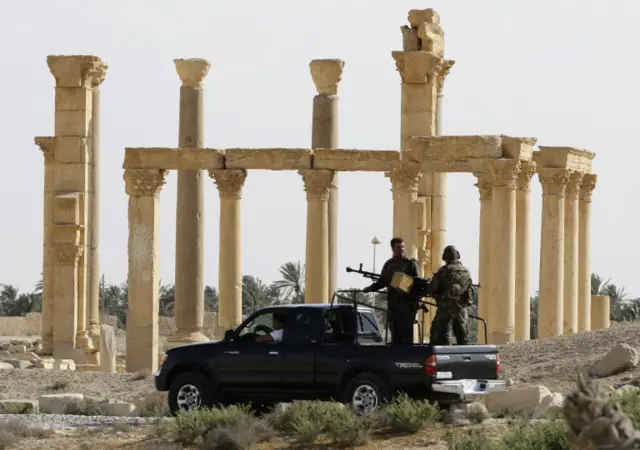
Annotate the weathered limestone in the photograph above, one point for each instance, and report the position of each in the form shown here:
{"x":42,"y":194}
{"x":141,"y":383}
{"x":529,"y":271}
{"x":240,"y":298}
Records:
{"x":107,"y":349}
{"x":484,"y":265}
{"x":502,"y":292}
{"x":523,"y":252}
{"x":550,"y":309}
{"x":143,"y":187}
{"x":68,"y":249}
{"x":317,"y":185}
{"x":326,"y":74}
{"x":230,"y":183}
{"x":571,"y":255}
{"x":584,"y":244}
{"x":189,"y":282}
{"x":600,"y":312}
{"x":405,"y":178}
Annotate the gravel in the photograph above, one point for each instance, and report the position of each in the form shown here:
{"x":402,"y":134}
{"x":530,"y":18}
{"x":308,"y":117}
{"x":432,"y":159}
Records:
{"x":69,"y":421}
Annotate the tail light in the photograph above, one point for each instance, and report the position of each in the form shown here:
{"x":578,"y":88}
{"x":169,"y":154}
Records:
{"x":430,"y":366}
{"x":498,"y":364}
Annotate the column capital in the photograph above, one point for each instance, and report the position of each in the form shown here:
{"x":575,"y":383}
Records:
{"x":405,"y":177}
{"x":47,"y":145}
{"x":317,"y":183}
{"x":74,"y":70}
{"x":144,"y":182}
{"x":573,"y":185}
{"x":192,"y":71}
{"x":229,"y":182}
{"x":98,"y":74}
{"x":442,"y":74}
{"x":417,"y":67}
{"x":326,"y":74}
{"x":554,"y":181}
{"x":68,"y":254}
{"x":484,"y":184}
{"x":504,"y":172}
{"x":587,"y":186}
{"x":527,"y":169}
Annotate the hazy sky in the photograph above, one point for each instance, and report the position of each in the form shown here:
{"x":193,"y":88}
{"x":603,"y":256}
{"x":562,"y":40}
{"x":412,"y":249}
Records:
{"x":562,"y":71}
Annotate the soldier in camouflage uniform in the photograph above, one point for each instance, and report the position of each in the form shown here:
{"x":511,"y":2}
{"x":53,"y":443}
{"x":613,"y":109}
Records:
{"x":452,"y":288}
{"x":402,"y":307}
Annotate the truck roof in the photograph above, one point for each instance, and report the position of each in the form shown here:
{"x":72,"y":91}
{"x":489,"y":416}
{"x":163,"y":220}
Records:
{"x":317,"y":306}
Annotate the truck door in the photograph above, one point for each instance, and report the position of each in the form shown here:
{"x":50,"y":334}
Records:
{"x":298,"y":350}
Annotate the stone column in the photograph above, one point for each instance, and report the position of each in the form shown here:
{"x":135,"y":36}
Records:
{"x":67,"y":234}
{"x":47,"y":144}
{"x":73,"y":117}
{"x":584,"y":260}
{"x":600,"y":312}
{"x":94,"y":213}
{"x":550,"y":309}
{"x":143,"y":187}
{"x":523,"y":252}
{"x":230,"y":183}
{"x":571,"y":257}
{"x":326,"y":74}
{"x":405,"y":178}
{"x":317,"y":185}
{"x":502,"y":292}
{"x":484,"y":266}
{"x":189,"y":287}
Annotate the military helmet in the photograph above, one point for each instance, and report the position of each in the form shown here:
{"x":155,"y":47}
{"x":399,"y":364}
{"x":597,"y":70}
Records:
{"x":450,"y":253}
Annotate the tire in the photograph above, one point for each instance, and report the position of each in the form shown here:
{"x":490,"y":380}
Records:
{"x":190,"y":391}
{"x":365,"y":393}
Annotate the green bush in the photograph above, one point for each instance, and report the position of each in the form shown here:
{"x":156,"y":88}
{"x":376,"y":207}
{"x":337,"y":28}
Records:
{"x":521,"y":436}
{"x":629,"y":402}
{"x":406,"y":415}
{"x":348,"y":429}
{"x":468,"y":439}
{"x":239,"y":436}
{"x":189,"y":426}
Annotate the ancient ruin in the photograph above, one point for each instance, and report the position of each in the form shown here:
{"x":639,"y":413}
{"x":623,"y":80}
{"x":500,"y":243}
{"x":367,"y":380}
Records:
{"x":503,"y":165}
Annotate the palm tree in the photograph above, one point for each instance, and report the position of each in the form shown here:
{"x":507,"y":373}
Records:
{"x":622,"y":309}
{"x":533,"y":321}
{"x":13,"y":303}
{"x":210,"y":299}
{"x":292,"y":283}
{"x":166,"y":299}
{"x":255,"y":294}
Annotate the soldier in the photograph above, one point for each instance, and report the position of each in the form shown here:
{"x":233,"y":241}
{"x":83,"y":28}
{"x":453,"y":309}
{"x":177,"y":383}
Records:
{"x":452,"y":288}
{"x":402,"y":308}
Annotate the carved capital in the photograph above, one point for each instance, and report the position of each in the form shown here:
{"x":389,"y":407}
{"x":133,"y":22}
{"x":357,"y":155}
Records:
{"x":554,"y":181}
{"x":504,"y":172}
{"x":588,"y":185}
{"x":484,"y":186}
{"x":98,"y":74}
{"x":417,"y":67}
{"x":229,"y":182}
{"x":68,"y":254}
{"x":144,"y":182}
{"x":47,"y":145}
{"x":317,"y":183}
{"x":405,"y":177}
{"x":75,"y":70}
{"x":192,"y":71}
{"x":326,"y":74}
{"x":527,"y":169}
{"x":573,"y":185}
{"x":443,"y":73}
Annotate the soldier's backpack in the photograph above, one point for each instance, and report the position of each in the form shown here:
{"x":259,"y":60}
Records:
{"x":459,"y":290}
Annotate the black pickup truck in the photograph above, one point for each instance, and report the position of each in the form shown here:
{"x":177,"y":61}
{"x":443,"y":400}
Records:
{"x":327,"y":353}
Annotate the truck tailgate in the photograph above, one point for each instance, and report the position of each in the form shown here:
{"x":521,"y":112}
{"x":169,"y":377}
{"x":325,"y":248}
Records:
{"x":466,"y":362}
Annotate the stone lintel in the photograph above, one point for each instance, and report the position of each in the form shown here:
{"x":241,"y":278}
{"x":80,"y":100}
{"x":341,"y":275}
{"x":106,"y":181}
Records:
{"x":355,"y":160}
{"x":173,"y":158}
{"x":453,"y":149}
{"x":570,"y":158}
{"x":520,"y":148}
{"x":268,"y":158}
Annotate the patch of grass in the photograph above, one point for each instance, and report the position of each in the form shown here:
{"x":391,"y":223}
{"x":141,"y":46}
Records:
{"x":59,"y":385}
{"x":477,"y":413}
{"x":406,"y":415}
{"x":13,"y":431}
{"x":522,"y":436}
{"x":468,"y":439}
{"x":15,"y":408}
{"x":86,"y":407}
{"x":629,"y":402}
{"x":156,"y":407}
{"x":239,"y":436}
{"x":348,"y":429}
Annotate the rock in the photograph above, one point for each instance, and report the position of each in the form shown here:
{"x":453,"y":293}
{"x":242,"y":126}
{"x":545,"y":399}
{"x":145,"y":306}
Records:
{"x":29,"y":356}
{"x":43,"y":364}
{"x":6,"y":366}
{"x":58,"y":403}
{"x":153,"y":404}
{"x":620,"y":358}
{"x":20,"y":363}
{"x":108,"y":347}
{"x":118,"y":408}
{"x":71,"y":364}
{"x":510,"y":382}
{"x":18,"y":349}
{"x":551,"y":404}
{"x":5,"y":352}
{"x":516,"y":400}
{"x":19,"y":406}
{"x":17,"y":342}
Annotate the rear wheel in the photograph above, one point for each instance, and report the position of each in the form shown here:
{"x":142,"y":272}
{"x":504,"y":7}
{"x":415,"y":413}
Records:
{"x":190,"y":391}
{"x":365,"y":393}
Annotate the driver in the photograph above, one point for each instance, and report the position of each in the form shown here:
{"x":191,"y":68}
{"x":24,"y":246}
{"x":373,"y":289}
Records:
{"x":276,"y":334}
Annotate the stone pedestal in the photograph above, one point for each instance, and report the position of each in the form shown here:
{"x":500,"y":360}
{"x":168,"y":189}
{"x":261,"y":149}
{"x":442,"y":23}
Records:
{"x":523,"y":252}
{"x":502,"y":293}
{"x":189,"y":285}
{"x":571,"y":255}
{"x":484,"y":265}
{"x":143,"y":187}
{"x":326,"y":74}
{"x":551,"y":309}
{"x":600,"y":312}
{"x":230,"y":183}
{"x":317,"y":185}
{"x":584,"y":259}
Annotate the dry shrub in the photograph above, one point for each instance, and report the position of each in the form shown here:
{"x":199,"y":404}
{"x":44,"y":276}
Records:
{"x":406,"y":415}
{"x":13,"y":431}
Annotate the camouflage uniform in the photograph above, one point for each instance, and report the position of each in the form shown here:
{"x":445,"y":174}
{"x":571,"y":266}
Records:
{"x":402,"y":307}
{"x":451,"y":287}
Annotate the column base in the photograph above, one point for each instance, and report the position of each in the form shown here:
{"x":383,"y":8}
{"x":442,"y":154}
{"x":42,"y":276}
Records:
{"x":83,"y":340}
{"x":47,"y":343}
{"x":67,"y":350}
{"x":179,"y":339}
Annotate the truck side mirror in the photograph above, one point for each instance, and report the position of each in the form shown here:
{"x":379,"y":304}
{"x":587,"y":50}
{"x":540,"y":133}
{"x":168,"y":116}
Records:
{"x":228,"y":335}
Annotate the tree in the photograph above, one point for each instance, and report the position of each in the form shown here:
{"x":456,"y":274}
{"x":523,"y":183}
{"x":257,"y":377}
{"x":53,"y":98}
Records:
{"x":622,"y":309}
{"x":210,"y":299}
{"x":291,"y":286}
{"x":255,"y":294}
{"x":533,"y":321}
{"x":166,"y":299}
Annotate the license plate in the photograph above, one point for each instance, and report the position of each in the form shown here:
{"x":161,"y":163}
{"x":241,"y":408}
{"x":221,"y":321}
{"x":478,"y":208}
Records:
{"x":444,"y":375}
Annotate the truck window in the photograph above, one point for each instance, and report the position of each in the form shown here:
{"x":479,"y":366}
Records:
{"x":367,"y":323}
{"x":258,"y":322}
{"x":302,"y":329}
{"x":338,"y":325}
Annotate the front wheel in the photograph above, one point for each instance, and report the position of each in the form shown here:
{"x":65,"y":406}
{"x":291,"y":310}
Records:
{"x":190,"y":391}
{"x":365,"y":393}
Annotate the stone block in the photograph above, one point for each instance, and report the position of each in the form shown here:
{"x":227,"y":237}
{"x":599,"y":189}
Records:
{"x":564,"y":158}
{"x":520,"y":148}
{"x":453,"y":153}
{"x":87,"y":368}
{"x":108,"y":346}
{"x":58,"y":403}
{"x":523,"y":400}
{"x":71,"y":177}
{"x":6,"y":366}
{"x":118,"y":408}
{"x":268,"y":158}
{"x":20,"y":363}
{"x":355,"y":160}
{"x":551,"y":404}
{"x":72,"y":123}
{"x":43,"y":364}
{"x":73,"y":99}
{"x":620,"y":358}
{"x":173,"y":158}
{"x":18,"y":348}
{"x":121,"y":368}
{"x":71,"y":364}
{"x":70,"y":150}
{"x":10,"y":406}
